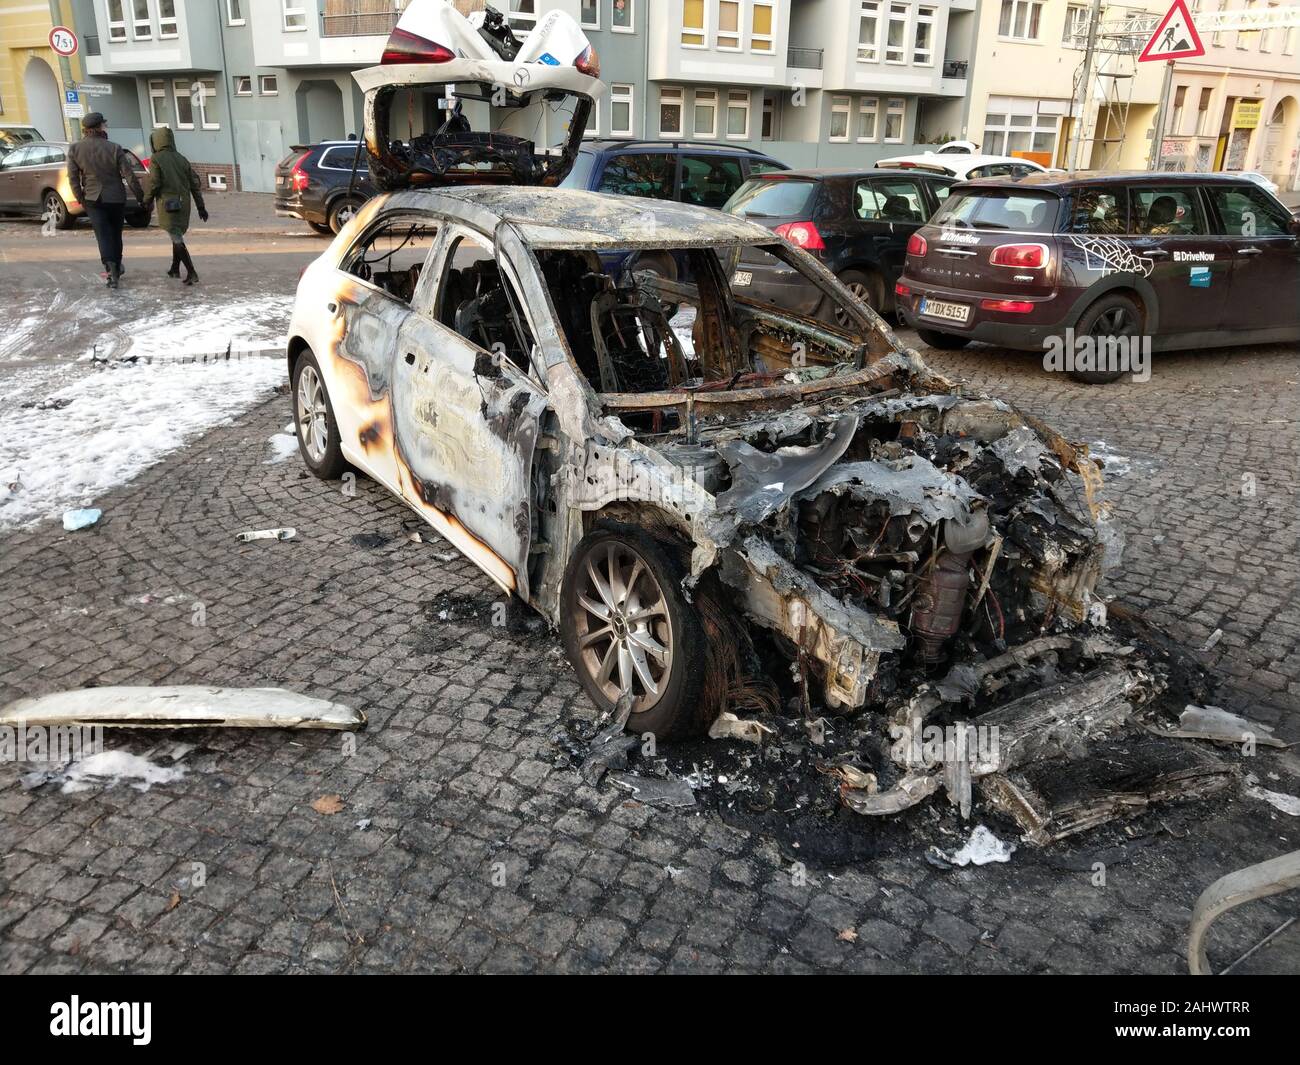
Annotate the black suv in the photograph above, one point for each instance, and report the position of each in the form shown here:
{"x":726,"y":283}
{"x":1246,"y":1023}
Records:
{"x":315,"y":183}
{"x":857,"y":222}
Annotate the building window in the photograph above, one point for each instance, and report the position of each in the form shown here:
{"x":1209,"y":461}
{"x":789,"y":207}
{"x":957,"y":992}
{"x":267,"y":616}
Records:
{"x":268,"y":85}
{"x":589,"y":15}
{"x":1203,"y":110}
{"x":141,"y":27}
{"x":116,"y":21}
{"x":868,"y":114}
{"x":158,"y":102}
{"x":693,"y":23}
{"x":204,"y":94}
{"x":593,"y":123}
{"x":769,"y":119}
{"x":235,"y":12}
{"x":1176,"y":119}
{"x":1076,"y":26}
{"x":1217,"y":38}
{"x":1288,"y":40}
{"x":895,"y":116}
{"x":760,"y":27}
{"x":896,"y":34}
{"x":523,"y":14}
{"x":923,"y":47}
{"x":1019,"y":19}
{"x":623,"y":16}
{"x":621,"y":98}
{"x":167,"y":18}
{"x":869,"y":32}
{"x":243,"y":85}
{"x":1246,"y":38}
{"x":839,"y":118}
{"x":184,"y":103}
{"x":295,"y":15}
{"x":738,"y":115}
{"x":705,"y":121}
{"x":670,"y":112}
{"x":728,"y":36}
{"x":1008,"y":132}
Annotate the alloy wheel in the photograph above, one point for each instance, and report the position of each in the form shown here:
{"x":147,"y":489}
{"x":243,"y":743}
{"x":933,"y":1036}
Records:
{"x":312,"y":428}
{"x":625,"y":634}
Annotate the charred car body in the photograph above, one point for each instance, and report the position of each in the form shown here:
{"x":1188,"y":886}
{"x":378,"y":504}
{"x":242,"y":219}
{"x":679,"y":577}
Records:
{"x":736,"y":508}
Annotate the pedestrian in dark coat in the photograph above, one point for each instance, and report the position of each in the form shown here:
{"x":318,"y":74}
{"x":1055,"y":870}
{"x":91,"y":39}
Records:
{"x":173,"y":183}
{"x":97,"y":171}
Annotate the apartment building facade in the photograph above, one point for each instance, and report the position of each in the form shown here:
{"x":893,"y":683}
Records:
{"x":812,"y":82}
{"x":1238,"y":106}
{"x":1022,"y":92}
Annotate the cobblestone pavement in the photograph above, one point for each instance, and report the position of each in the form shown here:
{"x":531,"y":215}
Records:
{"x":483,"y":852}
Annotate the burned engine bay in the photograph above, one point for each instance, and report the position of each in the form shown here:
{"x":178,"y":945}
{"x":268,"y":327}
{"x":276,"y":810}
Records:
{"x":886,"y":556}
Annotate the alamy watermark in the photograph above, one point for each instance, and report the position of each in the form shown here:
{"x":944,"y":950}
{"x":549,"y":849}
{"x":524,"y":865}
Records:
{"x":41,"y":743}
{"x":1123,"y":354}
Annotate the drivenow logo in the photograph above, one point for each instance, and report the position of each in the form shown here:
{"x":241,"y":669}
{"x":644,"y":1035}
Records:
{"x":102,"y":1018}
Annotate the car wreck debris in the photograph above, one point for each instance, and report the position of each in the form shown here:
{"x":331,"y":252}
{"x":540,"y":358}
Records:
{"x":982,"y":848}
{"x":1215,"y":723}
{"x":1245,"y":885}
{"x":266,"y":534}
{"x":181,"y":706}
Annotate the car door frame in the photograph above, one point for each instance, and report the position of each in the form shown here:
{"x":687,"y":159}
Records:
{"x":1256,"y":257}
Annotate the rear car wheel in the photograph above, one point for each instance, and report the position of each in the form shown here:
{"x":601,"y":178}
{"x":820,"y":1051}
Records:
{"x":628,"y":628}
{"x":313,"y":415}
{"x":55,"y":208}
{"x":342,"y":211}
{"x":139,"y":219}
{"x":943,"y":341}
{"x":865,"y":288}
{"x":321,"y":228}
{"x":1111,"y":316}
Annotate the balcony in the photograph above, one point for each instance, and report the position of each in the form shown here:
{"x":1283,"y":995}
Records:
{"x":955,"y":68}
{"x":804,"y":58}
{"x":360,"y":18}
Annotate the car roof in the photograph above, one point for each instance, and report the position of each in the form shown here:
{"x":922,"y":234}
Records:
{"x":955,"y":160}
{"x":46,"y":144}
{"x":817,"y":173}
{"x":555,"y":218}
{"x":1056,"y":182}
{"x":605,"y":144}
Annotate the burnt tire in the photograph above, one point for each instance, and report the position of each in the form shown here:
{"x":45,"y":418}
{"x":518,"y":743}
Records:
{"x":313,"y":420}
{"x":942,"y":341}
{"x":865,"y":287}
{"x":648,"y":576}
{"x":342,"y":210}
{"x":1111,"y":316}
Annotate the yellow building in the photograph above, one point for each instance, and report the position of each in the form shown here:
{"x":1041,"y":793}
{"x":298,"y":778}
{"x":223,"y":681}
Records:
{"x":32,"y":74}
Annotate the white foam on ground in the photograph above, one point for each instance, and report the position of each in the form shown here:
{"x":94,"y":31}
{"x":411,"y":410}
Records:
{"x":109,"y":768}
{"x":982,"y":848}
{"x":122,"y":420}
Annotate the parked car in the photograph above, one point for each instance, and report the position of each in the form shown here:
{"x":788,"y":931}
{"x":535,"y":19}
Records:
{"x":12,"y":137}
{"x":1190,"y":260}
{"x":316,"y":183}
{"x":856,"y":222}
{"x":34,"y":180}
{"x":964,"y":167}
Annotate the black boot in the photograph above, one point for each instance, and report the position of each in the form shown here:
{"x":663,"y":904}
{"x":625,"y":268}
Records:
{"x":114,"y":272}
{"x":191,"y":275}
{"x":175,"y":269}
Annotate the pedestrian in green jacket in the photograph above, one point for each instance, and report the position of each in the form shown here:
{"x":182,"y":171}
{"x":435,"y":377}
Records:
{"x":173,"y":182}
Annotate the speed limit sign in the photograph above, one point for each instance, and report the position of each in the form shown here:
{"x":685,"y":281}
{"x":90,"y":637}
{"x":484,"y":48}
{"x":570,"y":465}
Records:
{"x":63,"y":40}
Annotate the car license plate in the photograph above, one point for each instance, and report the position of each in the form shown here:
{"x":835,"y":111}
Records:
{"x":742,"y":277}
{"x":952,"y":312}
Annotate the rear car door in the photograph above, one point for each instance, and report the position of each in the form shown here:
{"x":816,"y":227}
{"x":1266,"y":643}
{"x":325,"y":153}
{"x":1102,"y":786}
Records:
{"x":466,"y":412}
{"x":1264,"y":292}
{"x":885,"y":212}
{"x":708,"y":180}
{"x":1184,"y":262}
{"x":10,"y":170}
{"x":649,"y":174}
{"x":27,"y":178}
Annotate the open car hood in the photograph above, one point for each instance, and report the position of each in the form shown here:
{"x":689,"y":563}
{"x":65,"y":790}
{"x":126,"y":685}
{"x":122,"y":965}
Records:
{"x":459,"y":100}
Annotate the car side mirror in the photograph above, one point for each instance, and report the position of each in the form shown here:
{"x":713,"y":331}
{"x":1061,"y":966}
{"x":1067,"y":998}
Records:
{"x":1295,"y":227}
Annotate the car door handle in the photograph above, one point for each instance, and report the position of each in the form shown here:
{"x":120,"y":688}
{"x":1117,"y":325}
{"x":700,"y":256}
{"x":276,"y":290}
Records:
{"x":1157,"y":253}
{"x":333,"y":308}
{"x":1249,"y":251}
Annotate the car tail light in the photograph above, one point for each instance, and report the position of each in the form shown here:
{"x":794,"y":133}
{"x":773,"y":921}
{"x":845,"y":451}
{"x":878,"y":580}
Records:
{"x":1008,"y":306}
{"x":916,"y":245}
{"x":801,"y":235}
{"x":1020,"y":256}
{"x":589,"y":62}
{"x":144,"y":163}
{"x":902,"y":291}
{"x":406,"y":47}
{"x":298,"y":178}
